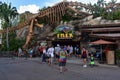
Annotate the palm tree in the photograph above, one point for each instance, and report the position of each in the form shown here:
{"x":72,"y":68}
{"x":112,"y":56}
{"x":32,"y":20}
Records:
{"x":112,"y":2}
{"x":101,"y":3}
{"x":7,"y":14}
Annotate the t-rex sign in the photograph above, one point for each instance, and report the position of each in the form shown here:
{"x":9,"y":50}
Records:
{"x":64,"y":32}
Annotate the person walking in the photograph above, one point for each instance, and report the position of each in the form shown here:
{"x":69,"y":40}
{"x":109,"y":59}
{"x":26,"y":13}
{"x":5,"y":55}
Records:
{"x":84,"y":56}
{"x":71,"y":50}
{"x":62,"y":60}
{"x":57,"y":50}
{"x":77,"y":51}
{"x":40,"y":51}
{"x":26,"y":53}
{"x":44,"y":55}
{"x":19,"y":52}
{"x":51,"y":55}
{"x":31,"y":52}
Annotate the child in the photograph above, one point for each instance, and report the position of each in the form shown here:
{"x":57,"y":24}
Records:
{"x":92,"y":63}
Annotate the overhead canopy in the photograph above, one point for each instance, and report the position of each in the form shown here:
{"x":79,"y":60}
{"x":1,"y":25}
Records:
{"x":102,"y":42}
{"x":107,"y":36}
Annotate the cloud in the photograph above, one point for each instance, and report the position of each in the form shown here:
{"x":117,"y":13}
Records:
{"x":32,"y":8}
{"x":52,"y":3}
{"x":87,"y":0}
{"x":49,"y":4}
{"x":73,"y":0}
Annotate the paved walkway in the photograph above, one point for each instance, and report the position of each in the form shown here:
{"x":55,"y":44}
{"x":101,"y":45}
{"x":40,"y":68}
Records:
{"x":33,"y":69}
{"x":79,"y":61}
{"x":72,"y":60}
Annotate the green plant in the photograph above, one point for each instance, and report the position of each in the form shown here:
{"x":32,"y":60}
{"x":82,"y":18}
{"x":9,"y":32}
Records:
{"x":118,"y":54}
{"x":14,"y":44}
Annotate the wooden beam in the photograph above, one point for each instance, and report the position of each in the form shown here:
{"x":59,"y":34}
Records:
{"x":39,"y":25}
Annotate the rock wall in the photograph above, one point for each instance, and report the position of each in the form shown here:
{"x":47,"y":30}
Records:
{"x":96,"y":21}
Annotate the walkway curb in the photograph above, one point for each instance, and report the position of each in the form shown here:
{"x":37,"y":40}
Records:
{"x":72,"y":61}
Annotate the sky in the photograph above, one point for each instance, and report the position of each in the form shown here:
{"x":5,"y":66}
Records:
{"x":34,"y":5}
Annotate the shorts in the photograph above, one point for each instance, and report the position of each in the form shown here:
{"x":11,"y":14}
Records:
{"x":62,"y":63}
{"x":92,"y":62}
{"x":78,"y":53}
{"x":57,"y":56}
{"x":84,"y":57}
{"x":47,"y":56}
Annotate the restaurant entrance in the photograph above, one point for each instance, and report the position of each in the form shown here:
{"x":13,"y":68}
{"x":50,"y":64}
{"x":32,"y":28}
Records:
{"x":66,"y":42}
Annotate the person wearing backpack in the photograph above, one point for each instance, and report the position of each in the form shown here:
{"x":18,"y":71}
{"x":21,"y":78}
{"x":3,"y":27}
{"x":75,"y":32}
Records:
{"x":62,"y":59}
{"x":84,"y":56}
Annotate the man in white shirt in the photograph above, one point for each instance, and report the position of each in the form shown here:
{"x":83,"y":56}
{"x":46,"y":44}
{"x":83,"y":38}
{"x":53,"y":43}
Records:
{"x":51,"y":54}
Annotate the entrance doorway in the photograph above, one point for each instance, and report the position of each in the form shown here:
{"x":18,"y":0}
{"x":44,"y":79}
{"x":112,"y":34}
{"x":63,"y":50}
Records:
{"x":66,"y":42}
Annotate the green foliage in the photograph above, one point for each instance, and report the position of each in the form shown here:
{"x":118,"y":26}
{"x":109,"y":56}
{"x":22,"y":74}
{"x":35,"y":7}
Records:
{"x":98,"y":9}
{"x":118,"y":54}
{"x":41,"y":21}
{"x":112,"y":2}
{"x":113,"y":15}
{"x":14,"y":44}
{"x":7,"y":13}
{"x":66,"y":18}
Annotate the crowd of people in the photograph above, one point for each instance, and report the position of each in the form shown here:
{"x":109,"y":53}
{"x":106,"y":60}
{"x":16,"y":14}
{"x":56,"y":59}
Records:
{"x":58,"y":54}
